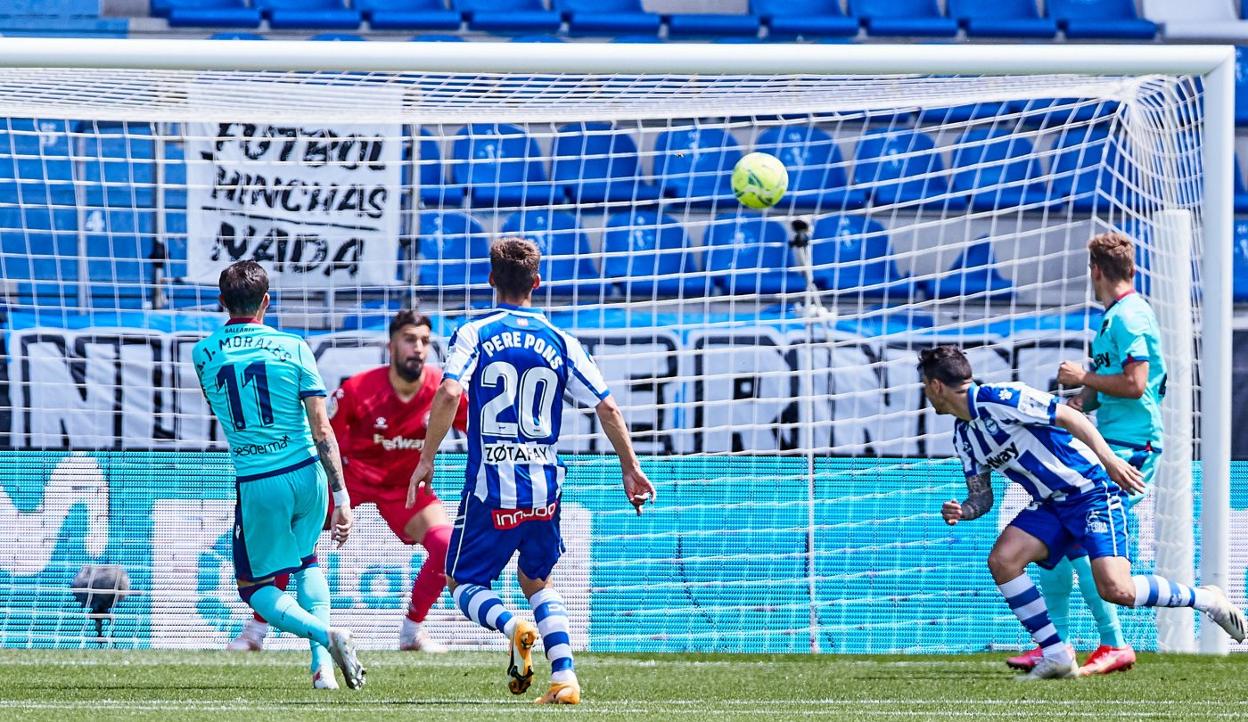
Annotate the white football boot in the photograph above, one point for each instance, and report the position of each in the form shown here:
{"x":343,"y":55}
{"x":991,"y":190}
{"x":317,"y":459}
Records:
{"x":413,"y":638}
{"x":342,"y":649}
{"x":323,"y":678}
{"x":1052,"y":668}
{"x":1227,"y":615}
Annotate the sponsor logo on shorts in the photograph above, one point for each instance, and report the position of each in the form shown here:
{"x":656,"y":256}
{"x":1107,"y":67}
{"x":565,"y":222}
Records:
{"x":1096,"y":523}
{"x":519,"y":454}
{"x":398,"y":443}
{"x":511,"y":518}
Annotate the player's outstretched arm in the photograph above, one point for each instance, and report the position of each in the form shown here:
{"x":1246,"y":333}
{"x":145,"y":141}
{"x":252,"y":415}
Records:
{"x":637,"y":487}
{"x":331,"y":459}
{"x":978,"y":500}
{"x":1126,"y":476}
{"x":441,"y":416}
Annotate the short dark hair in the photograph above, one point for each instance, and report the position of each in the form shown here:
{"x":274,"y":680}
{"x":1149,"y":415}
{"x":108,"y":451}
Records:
{"x":408,"y":317}
{"x":514,"y":264}
{"x":946,"y":364}
{"x":243,"y":285}
{"x":1114,"y":254}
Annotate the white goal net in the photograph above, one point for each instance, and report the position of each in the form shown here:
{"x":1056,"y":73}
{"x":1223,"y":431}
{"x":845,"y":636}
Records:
{"x":764,"y":361}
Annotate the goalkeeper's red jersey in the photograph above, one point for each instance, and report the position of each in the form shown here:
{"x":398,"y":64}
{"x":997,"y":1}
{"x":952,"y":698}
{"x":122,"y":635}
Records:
{"x":380,"y":435}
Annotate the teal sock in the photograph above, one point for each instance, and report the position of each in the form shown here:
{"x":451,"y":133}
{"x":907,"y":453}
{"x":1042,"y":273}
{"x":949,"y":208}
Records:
{"x":1103,"y":612}
{"x":282,"y":611}
{"x":313,"y":596}
{"x":1057,"y":584}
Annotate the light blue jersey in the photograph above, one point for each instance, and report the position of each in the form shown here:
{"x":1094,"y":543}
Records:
{"x":1128,"y":334}
{"x":255,"y":379}
{"x":1013,"y":429}
{"x":516,"y":366}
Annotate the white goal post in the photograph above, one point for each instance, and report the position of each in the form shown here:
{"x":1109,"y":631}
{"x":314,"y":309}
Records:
{"x":54,"y":78}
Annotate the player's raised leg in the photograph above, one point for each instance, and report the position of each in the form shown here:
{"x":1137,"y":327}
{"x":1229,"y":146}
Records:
{"x":540,"y":550}
{"x":256,"y":629}
{"x":1014,"y":550}
{"x":1119,"y":586}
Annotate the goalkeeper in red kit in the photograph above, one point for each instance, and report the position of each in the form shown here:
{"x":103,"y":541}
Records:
{"x":379,"y":417}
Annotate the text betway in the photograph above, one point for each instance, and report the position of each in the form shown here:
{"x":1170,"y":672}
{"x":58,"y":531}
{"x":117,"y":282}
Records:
{"x":512,"y":518}
{"x":527,"y":341}
{"x":519,"y":454}
{"x":398,"y":443}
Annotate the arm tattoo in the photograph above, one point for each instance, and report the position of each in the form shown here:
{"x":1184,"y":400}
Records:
{"x":979,"y":496}
{"x":328,"y":449}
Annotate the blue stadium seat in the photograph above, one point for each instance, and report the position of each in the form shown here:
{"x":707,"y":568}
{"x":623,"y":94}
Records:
{"x":1100,"y":19}
{"x":542,"y":38}
{"x":817,"y":177}
{"x":435,"y":191}
{"x":1241,"y":86}
{"x":1241,"y":261}
{"x":39,"y":252}
{"x":852,"y":255}
{"x":498,"y":165}
{"x":607,"y":17}
{"x":437,"y":38}
{"x":1002,"y":19}
{"x":408,"y":14}
{"x":566,"y":266}
{"x":747,"y":253}
{"x":509,"y":16}
{"x":119,"y":244}
{"x":310,"y":14}
{"x":454,"y":252}
{"x":337,"y":37}
{"x":594,"y":165}
{"x":35,"y":165}
{"x":1241,"y":191}
{"x":960,"y":113}
{"x":695,"y":165}
{"x":1083,"y":167}
{"x":119,"y":165}
{"x":711,"y":25}
{"x":1061,"y":111}
{"x":636,"y":39}
{"x":236,"y":36}
{"x":804,"y":18}
{"x":207,"y":13}
{"x":997,"y":169}
{"x":974,"y":276}
{"x":649,"y":254}
{"x":903,"y":167}
{"x":911,"y":18}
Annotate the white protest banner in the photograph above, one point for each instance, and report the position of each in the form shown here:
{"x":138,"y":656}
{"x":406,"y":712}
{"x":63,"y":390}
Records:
{"x":317,"y":204}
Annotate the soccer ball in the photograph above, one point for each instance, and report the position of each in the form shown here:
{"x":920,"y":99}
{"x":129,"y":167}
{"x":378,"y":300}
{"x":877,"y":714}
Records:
{"x":759,"y":180}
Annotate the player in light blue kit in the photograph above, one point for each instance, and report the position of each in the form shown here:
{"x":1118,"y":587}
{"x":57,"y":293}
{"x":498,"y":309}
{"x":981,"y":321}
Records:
{"x":1076,"y":483}
{"x":265,"y":390}
{"x":516,"y":366}
{"x":1124,"y":386}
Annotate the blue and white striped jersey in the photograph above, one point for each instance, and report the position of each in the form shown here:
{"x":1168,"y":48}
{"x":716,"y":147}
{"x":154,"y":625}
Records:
{"x":1013,"y":429}
{"x":516,"y":366}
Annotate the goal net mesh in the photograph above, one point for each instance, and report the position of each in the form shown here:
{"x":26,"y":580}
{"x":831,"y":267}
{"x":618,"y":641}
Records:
{"x":765,"y":362}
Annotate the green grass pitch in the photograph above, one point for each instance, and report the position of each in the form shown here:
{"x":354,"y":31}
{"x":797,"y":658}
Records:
{"x":219,"y":686}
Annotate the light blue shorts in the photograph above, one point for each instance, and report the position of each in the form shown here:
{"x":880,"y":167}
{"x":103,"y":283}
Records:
{"x":278,"y":520}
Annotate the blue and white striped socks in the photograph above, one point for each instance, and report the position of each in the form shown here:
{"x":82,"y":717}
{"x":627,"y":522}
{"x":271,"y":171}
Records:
{"x":1154,"y":591}
{"x":1028,"y":605}
{"x":552,"y":621}
{"x":482,"y":605}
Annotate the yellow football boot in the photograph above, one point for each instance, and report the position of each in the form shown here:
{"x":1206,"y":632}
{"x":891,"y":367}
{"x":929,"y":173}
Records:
{"x":523,"y":637}
{"x":561,"y":693}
